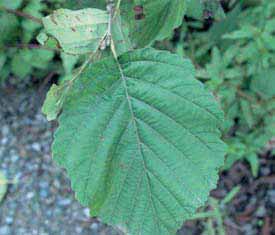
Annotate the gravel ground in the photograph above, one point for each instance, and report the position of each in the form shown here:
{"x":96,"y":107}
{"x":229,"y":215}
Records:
{"x":39,"y":200}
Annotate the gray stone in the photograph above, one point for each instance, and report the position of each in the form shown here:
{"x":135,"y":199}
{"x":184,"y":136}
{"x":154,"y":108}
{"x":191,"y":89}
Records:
{"x":4,"y":230}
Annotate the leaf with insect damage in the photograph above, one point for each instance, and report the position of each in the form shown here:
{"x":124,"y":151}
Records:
{"x":152,"y":20}
{"x":139,"y":139}
{"x":78,"y":32}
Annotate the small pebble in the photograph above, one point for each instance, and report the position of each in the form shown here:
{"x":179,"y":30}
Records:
{"x":271,"y":195}
{"x":4,"y":141}
{"x":87,"y":212}
{"x":36,"y":147}
{"x":4,"y":230}
{"x":94,"y":226}
{"x":30,"y":195}
{"x":43,"y":193}
{"x":261,"y":211}
{"x":64,"y":202}
{"x":5,"y":130}
{"x":9,"y":220}
{"x":78,"y":230}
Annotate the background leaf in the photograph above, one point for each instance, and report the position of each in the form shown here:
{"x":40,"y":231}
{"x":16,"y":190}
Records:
{"x":264,"y":84}
{"x":11,"y":4}
{"x":152,"y":20}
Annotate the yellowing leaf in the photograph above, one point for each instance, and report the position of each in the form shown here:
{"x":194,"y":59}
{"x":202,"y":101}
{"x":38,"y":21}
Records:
{"x":78,"y":32}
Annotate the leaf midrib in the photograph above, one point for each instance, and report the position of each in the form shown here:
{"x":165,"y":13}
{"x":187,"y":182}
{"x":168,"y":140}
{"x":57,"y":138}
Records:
{"x":139,"y":142}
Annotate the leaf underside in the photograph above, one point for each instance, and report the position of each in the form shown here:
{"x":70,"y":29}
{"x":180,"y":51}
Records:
{"x":81,"y":31}
{"x":78,"y":32}
{"x":140,"y":142}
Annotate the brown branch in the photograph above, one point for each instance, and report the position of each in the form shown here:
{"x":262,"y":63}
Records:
{"x":263,"y":180}
{"x":266,"y":230}
{"x":23,"y":14}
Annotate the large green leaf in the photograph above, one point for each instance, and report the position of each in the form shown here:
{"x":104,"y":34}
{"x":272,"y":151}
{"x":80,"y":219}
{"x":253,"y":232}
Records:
{"x":139,"y":139}
{"x":78,"y":32}
{"x":152,"y":20}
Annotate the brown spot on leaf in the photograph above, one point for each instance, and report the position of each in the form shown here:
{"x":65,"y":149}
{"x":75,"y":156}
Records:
{"x":139,"y":14}
{"x":138,"y":9}
{"x":122,"y":166}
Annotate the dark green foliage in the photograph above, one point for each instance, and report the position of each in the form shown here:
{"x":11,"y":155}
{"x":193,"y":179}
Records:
{"x":20,"y":53}
{"x":240,"y":71}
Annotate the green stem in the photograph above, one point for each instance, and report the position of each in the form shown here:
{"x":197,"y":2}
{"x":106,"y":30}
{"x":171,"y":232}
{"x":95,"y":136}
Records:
{"x":83,"y":66}
{"x":203,"y":215}
{"x":117,"y":7}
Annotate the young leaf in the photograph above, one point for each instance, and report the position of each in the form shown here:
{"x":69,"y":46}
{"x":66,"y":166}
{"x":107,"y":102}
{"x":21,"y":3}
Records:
{"x":254,"y":163}
{"x":54,"y":101}
{"x":152,"y":20}
{"x":78,"y":32}
{"x":247,"y":112}
{"x":139,"y":139}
